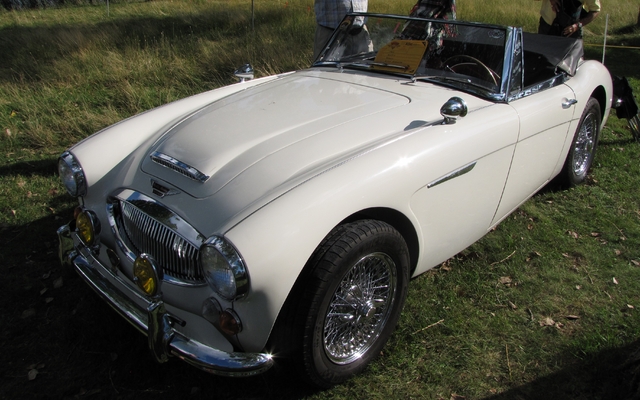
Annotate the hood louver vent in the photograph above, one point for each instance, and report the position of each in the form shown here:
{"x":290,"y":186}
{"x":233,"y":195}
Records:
{"x":178,"y":166}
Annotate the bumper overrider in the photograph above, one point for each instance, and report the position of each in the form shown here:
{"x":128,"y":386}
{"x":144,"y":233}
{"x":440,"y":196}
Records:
{"x":153,"y":320}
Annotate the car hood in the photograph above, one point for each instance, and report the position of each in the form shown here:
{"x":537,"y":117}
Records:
{"x":262,"y":141}
{"x":281,"y":128}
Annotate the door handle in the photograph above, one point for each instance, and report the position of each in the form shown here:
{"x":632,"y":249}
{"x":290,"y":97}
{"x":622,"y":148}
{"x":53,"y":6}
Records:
{"x":568,"y":103}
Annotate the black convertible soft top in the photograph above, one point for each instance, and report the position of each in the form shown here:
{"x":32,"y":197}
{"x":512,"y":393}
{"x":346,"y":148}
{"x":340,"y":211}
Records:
{"x":561,"y":52}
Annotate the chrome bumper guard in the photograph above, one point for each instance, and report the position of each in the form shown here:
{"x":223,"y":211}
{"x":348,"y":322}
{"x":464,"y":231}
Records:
{"x":157,"y":324}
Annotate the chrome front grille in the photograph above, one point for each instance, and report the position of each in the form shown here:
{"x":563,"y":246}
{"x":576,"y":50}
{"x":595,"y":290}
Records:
{"x":145,"y":226}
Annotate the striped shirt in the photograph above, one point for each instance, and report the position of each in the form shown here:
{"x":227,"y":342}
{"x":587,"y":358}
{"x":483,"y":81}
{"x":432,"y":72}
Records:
{"x":329,"y":13}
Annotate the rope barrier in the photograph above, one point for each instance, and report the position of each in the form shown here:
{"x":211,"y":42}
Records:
{"x":611,"y":47}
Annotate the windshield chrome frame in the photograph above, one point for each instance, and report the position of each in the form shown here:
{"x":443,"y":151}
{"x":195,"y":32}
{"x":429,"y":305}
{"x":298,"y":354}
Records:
{"x":513,"y":48}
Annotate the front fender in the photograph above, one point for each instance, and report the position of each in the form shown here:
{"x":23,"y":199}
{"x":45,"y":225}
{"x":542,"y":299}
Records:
{"x":278,"y":239}
{"x":101,"y":152}
{"x":592,"y":77}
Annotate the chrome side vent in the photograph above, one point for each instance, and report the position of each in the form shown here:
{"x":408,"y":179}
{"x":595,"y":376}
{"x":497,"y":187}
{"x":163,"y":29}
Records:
{"x":178,"y":166}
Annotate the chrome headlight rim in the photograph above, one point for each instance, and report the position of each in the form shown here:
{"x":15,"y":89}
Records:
{"x":233,"y":264}
{"x":72,"y":175}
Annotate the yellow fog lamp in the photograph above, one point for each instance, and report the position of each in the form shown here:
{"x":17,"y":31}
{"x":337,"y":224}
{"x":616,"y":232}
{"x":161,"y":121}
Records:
{"x":88,"y":227}
{"x":147,"y":275}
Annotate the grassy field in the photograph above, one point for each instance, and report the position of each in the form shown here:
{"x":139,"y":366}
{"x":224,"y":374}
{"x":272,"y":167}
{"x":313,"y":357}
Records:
{"x":544,"y":307}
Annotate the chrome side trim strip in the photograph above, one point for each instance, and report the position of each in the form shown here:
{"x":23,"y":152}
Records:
{"x":451,"y":175}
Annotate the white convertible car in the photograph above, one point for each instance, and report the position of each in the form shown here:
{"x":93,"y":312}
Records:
{"x":285,"y":216}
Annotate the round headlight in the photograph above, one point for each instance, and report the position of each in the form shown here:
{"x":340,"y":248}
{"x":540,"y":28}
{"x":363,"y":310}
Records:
{"x":88,"y":227}
{"x":147,"y":275}
{"x":72,"y":175}
{"x":224,"y":269}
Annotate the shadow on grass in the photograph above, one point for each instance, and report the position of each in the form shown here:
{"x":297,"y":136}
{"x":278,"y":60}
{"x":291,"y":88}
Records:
{"x":609,"y":374}
{"x":31,"y":50}
{"x":55,"y":324}
{"x":616,"y":142}
{"x":622,"y":55}
{"x":46,"y":167}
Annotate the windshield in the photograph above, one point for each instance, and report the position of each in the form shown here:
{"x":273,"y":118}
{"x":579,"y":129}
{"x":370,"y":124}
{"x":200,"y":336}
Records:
{"x":464,"y":55}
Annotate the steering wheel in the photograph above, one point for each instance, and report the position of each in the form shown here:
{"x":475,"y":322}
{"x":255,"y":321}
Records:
{"x":463,"y":64}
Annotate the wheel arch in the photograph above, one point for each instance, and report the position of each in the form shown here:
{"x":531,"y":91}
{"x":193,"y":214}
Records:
{"x":396,"y":219}
{"x":600,"y":94}
{"x":280,"y":341}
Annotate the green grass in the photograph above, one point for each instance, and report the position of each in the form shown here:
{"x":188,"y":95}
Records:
{"x":471,"y":327}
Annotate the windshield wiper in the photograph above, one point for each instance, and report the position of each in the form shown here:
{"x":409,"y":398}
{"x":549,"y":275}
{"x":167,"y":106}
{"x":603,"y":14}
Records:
{"x":369,"y":65}
{"x":396,"y":66}
{"x":353,"y":64}
{"x":447,"y":79}
{"x":440,"y":78}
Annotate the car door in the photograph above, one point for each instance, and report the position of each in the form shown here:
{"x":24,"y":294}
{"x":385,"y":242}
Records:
{"x":466,"y":178}
{"x":544,"y":123}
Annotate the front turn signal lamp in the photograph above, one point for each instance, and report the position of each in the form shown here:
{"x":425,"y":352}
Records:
{"x":226,"y":321}
{"x":147,"y":275}
{"x":88,"y":227}
{"x":230,"y":322}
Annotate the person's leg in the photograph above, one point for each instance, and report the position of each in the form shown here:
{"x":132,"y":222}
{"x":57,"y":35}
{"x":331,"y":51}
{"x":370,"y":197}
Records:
{"x":543,"y":27}
{"x":359,"y":43}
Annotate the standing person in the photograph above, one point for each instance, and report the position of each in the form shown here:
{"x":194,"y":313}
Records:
{"x":434,"y":33}
{"x":436,"y":9}
{"x":329,"y":13}
{"x":567,"y":17}
{"x":433,"y":9}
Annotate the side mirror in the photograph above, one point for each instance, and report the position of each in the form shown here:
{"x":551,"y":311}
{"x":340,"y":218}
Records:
{"x":454,"y":107}
{"x":244,"y":73}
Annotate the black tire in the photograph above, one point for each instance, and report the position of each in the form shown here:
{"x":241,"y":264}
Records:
{"x":583,"y":146}
{"x":340,"y":303}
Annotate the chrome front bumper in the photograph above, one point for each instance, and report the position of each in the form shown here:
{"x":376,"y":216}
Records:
{"x":155,"y":322}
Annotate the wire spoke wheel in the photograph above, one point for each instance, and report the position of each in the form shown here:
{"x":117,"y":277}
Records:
{"x":350,"y":302}
{"x":584,"y":145}
{"x":359,"y":308}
